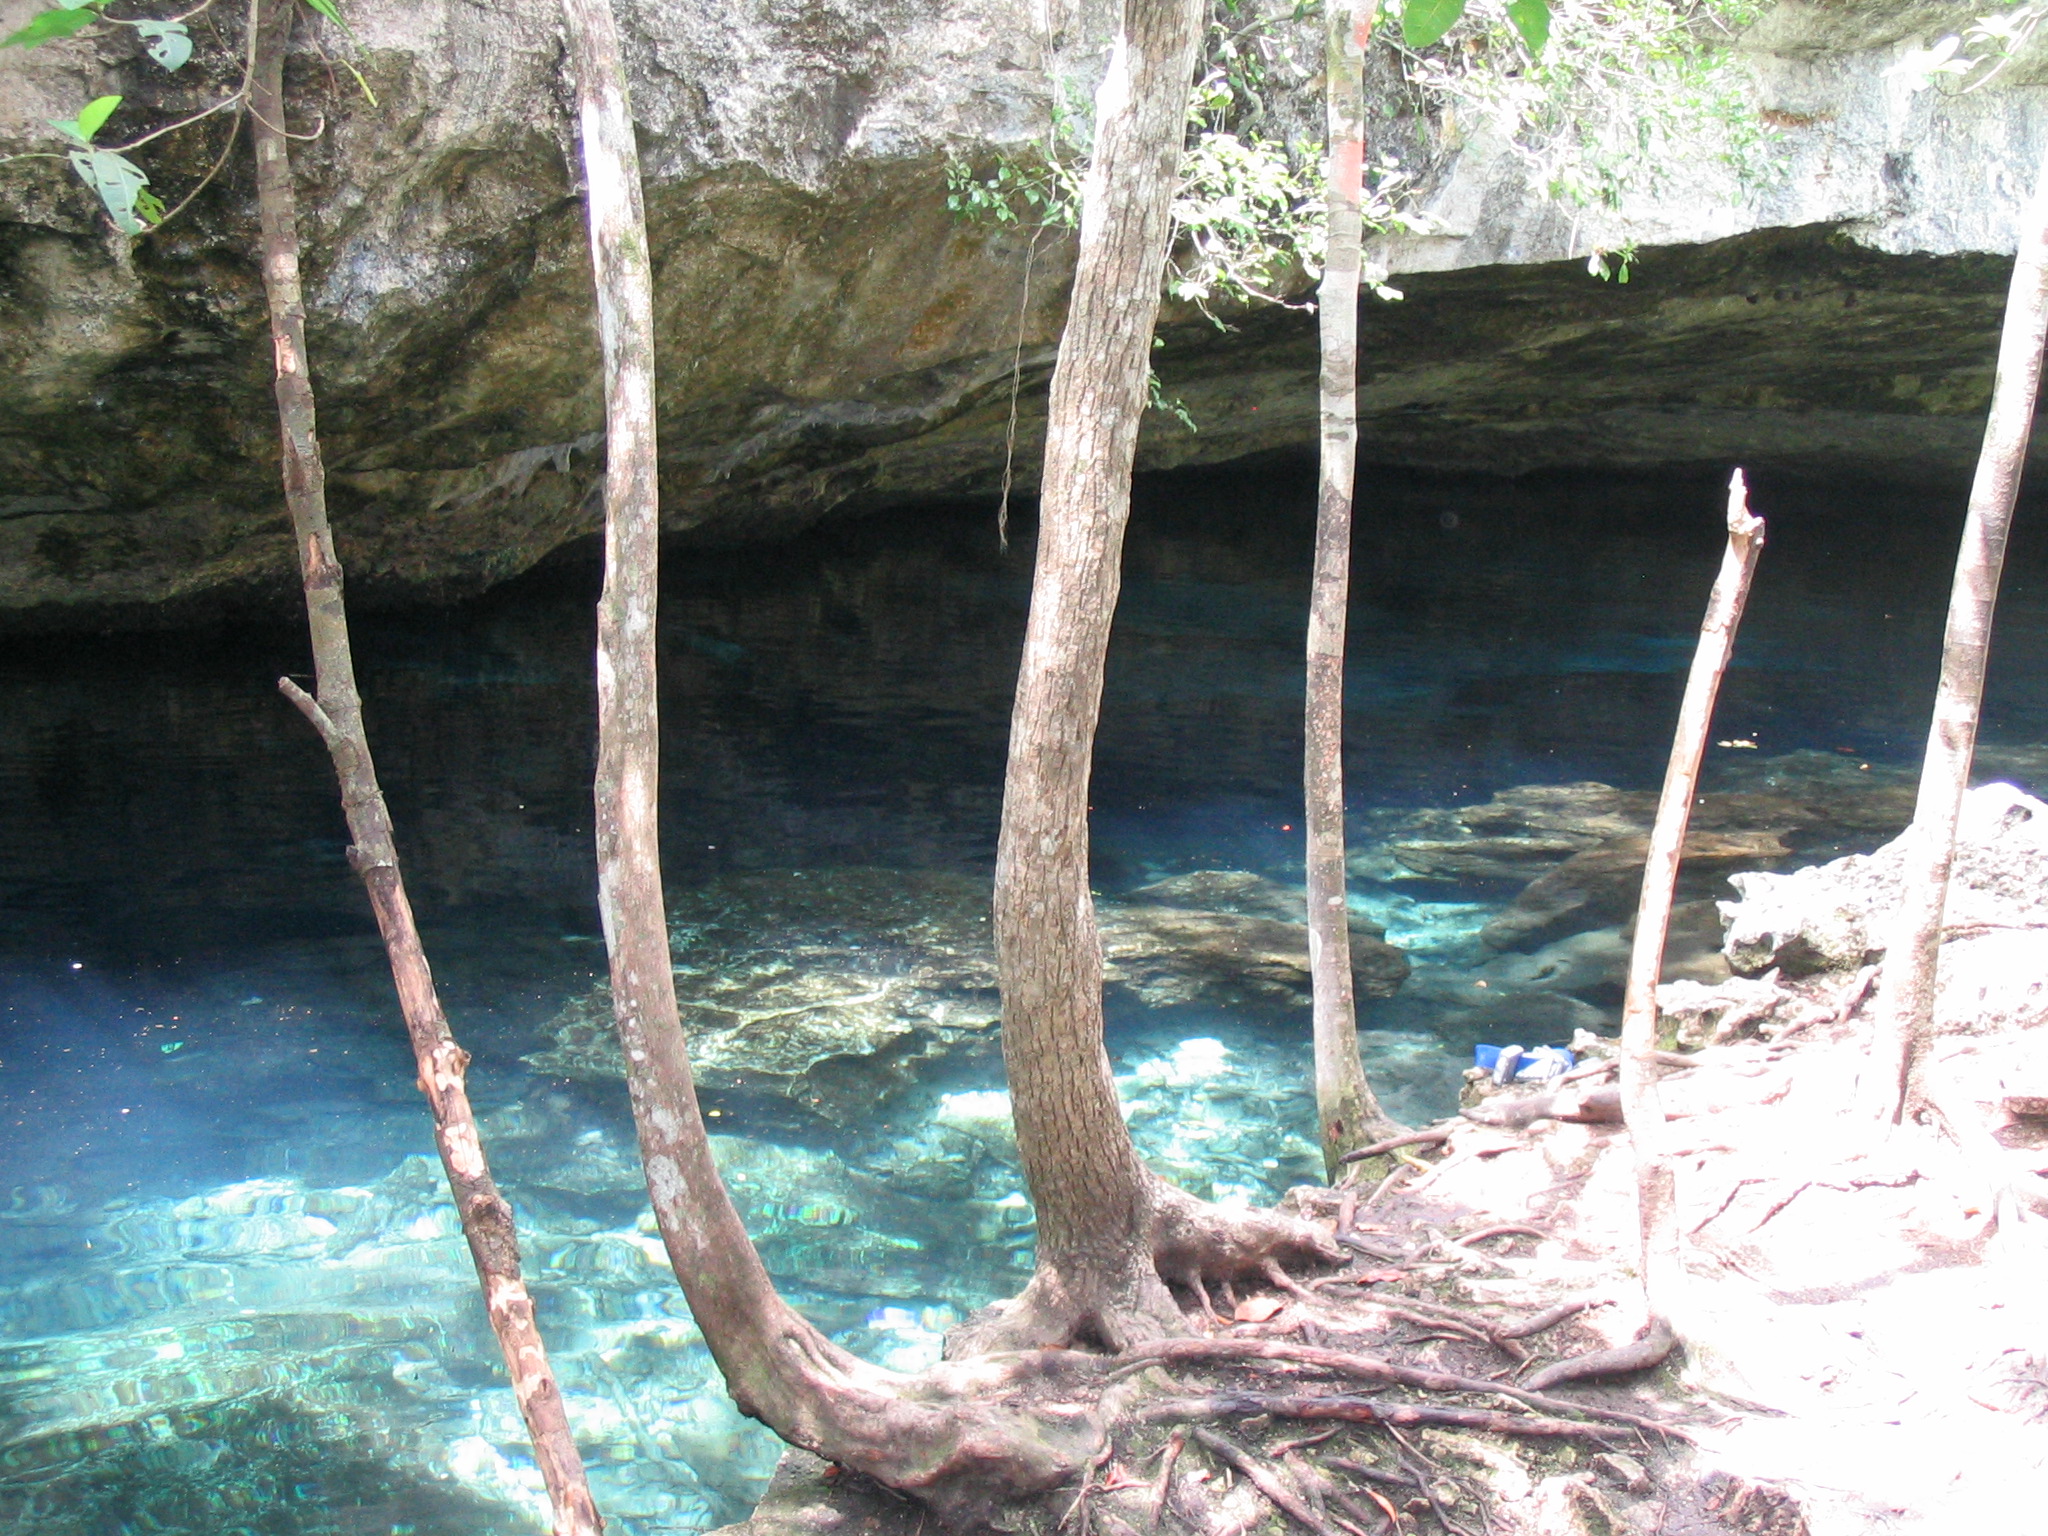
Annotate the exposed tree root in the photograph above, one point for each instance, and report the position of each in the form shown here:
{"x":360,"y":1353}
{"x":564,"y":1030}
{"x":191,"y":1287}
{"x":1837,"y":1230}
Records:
{"x":1423,"y":1138}
{"x":1262,"y":1478}
{"x":1194,"y":1242}
{"x":1371,"y":1368}
{"x":1653,"y":1348}
{"x":1361,"y":1410}
{"x":1195,"y":1245}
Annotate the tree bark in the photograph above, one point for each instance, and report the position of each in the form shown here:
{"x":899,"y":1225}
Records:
{"x":1905,"y":1013}
{"x":1348,"y":1114}
{"x":1095,"y":1283}
{"x":947,"y":1437}
{"x":335,"y":710}
{"x":1642,"y":1105}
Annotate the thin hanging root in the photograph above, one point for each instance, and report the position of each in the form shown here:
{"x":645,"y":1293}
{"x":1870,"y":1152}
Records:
{"x":1277,"y":1493}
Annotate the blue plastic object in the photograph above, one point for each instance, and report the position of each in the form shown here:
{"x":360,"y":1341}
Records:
{"x":1539,"y":1063}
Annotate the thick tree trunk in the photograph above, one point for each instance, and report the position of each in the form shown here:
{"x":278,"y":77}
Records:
{"x":947,"y":1437}
{"x":1642,"y":1105}
{"x":1905,"y":1014}
{"x":336,"y":712}
{"x":1096,"y":1282}
{"x":1348,"y":1113}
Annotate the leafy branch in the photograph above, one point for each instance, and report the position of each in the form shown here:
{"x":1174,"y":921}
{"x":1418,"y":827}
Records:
{"x":122,"y":186}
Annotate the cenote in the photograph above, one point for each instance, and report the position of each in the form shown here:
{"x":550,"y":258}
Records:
{"x":233,"y":1297}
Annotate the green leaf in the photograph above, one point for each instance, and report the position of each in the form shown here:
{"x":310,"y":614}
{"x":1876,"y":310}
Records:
{"x":1424,"y":21}
{"x":60,"y":21}
{"x":169,"y":43}
{"x":119,"y":182}
{"x":368,"y":95}
{"x":93,"y":116}
{"x":1532,"y":20}
{"x":332,"y":12}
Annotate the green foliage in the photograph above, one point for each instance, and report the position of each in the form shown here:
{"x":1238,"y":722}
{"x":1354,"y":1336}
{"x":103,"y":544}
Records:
{"x":1612,"y":265}
{"x":121,"y":184}
{"x":92,"y":117}
{"x":65,"y":19}
{"x":1531,"y":18}
{"x":1031,"y":189}
{"x":1249,"y":214}
{"x":332,"y":12}
{"x":1975,"y":56}
{"x":1425,"y":21}
{"x":169,"y":43}
{"x":1619,"y":97}
{"x":1157,"y":399}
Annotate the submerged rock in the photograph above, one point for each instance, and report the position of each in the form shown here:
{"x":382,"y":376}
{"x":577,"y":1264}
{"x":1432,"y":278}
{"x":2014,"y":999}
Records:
{"x":1227,"y":936}
{"x":840,"y":989}
{"x":1579,"y":849}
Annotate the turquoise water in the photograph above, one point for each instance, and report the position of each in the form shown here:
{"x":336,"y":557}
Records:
{"x":232,"y":1297}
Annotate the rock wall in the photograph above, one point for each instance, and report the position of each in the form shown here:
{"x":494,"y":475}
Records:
{"x":834,"y":339}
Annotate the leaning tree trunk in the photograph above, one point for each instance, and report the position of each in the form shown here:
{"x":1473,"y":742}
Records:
{"x":1348,"y":1114}
{"x":1905,"y":1012}
{"x":336,"y":711}
{"x":1642,"y":1104}
{"x":948,"y":1436}
{"x":1096,"y":1282}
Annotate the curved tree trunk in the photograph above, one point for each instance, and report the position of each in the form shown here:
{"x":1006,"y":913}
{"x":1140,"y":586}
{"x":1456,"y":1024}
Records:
{"x":1642,"y":1104}
{"x":1347,"y":1113}
{"x":1096,"y":1283}
{"x":948,"y":1436}
{"x":1905,"y":1015}
{"x":336,"y":711}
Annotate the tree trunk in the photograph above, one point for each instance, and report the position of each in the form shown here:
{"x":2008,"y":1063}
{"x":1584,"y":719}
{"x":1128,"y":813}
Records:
{"x":1642,"y":1105}
{"x":1905,"y":1015}
{"x":947,"y":1437}
{"x":336,"y":712}
{"x":1096,"y":1283}
{"x":1348,"y":1113}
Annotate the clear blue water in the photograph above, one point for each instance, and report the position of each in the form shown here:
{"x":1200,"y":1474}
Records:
{"x":231,"y":1294}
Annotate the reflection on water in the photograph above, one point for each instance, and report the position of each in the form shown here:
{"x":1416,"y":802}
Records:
{"x":232,"y":1297}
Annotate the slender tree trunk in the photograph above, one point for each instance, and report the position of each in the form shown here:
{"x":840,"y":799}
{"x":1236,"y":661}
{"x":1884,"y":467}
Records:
{"x":1905,"y":1014}
{"x":1348,"y":1112}
{"x":1642,"y":1105}
{"x":1096,"y":1282}
{"x":336,"y":712}
{"x":949,"y":1439}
